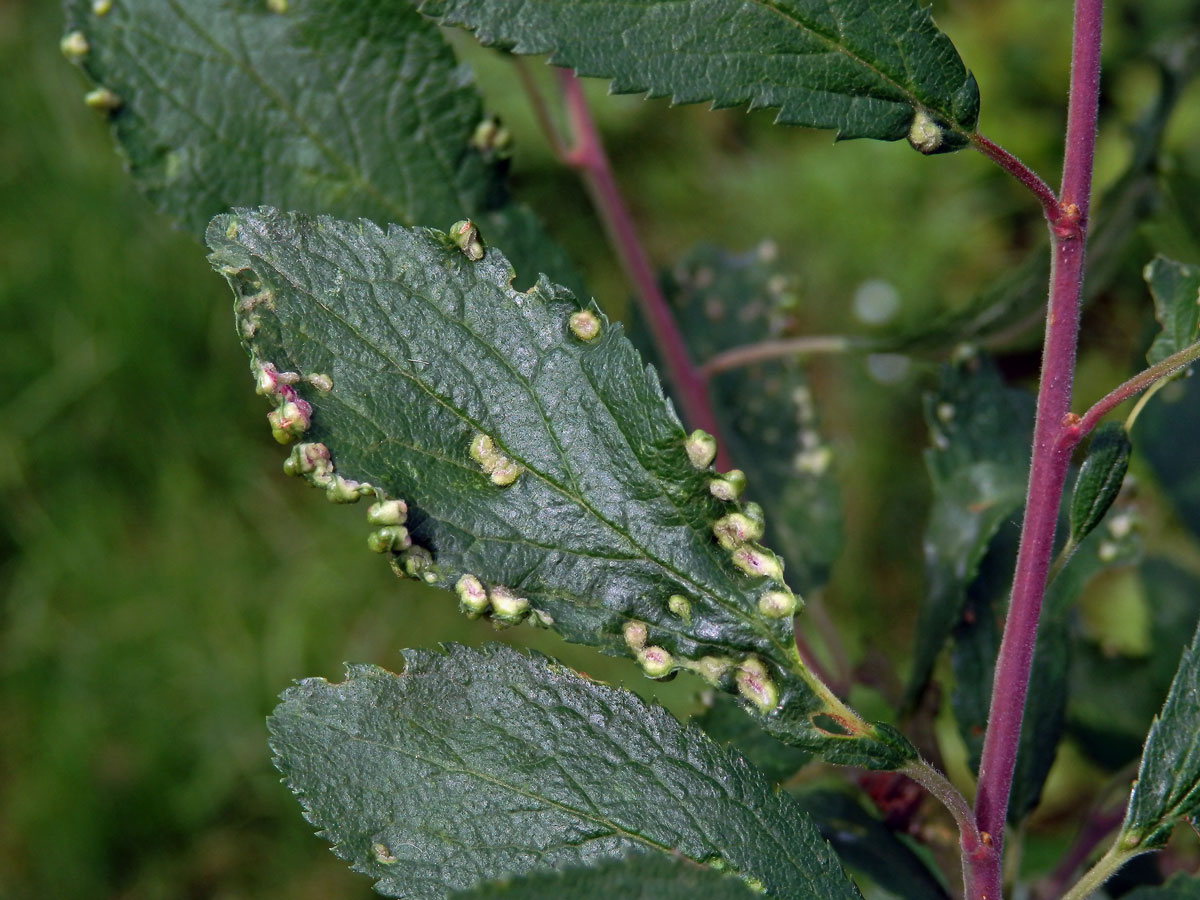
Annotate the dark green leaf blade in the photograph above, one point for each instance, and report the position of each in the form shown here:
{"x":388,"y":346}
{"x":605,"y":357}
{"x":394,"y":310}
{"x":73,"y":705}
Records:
{"x":1100,"y":478}
{"x":726,"y":724}
{"x":863,"y":68}
{"x":343,"y":108}
{"x":978,"y":465}
{"x":475,"y":764}
{"x":548,"y":476}
{"x":1168,"y":783}
{"x":637,"y":878}
{"x":1176,"y":290}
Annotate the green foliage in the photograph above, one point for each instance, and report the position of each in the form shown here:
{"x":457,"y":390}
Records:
{"x":978,"y":465}
{"x":1169,"y":422}
{"x":1181,"y":887}
{"x":223,"y":106}
{"x":725,"y":723}
{"x":1176,"y":291}
{"x":1100,"y":479}
{"x":635,"y":878}
{"x":1168,"y":783}
{"x":722,"y":301}
{"x":548,"y":476}
{"x":868,"y":70}
{"x":476,"y":764}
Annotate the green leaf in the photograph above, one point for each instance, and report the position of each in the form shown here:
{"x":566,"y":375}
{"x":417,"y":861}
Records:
{"x":334,"y":106}
{"x":726,"y":724}
{"x":978,"y":464}
{"x":1180,"y":887}
{"x":863,"y":68}
{"x":766,"y":411}
{"x":867,"y":845}
{"x":1100,"y":479}
{"x":477,"y":764}
{"x":546,"y":475}
{"x":1168,"y":783}
{"x":1176,"y":290}
{"x":636,"y":878}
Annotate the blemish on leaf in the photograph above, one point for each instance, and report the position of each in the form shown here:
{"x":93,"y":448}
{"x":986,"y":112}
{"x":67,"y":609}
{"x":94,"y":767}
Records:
{"x":415,"y":562}
{"x":492,"y":139}
{"x":656,"y":662}
{"x":635,"y":635}
{"x":345,"y":490}
{"x":680,"y":605}
{"x":290,"y":420}
{"x":102,"y":7}
{"x":472,"y":597}
{"x":382,"y":854}
{"x":758,"y":561}
{"x":736,"y":529}
{"x":925,"y":135}
{"x":391,"y":539}
{"x":74,"y":46}
{"x":277,"y":6}
{"x":585,"y":325}
{"x":713,"y":669}
{"x":755,"y":684}
{"x":466,"y":237}
{"x":322,"y":383}
{"x":701,"y":448}
{"x":102,"y":99}
{"x":728,"y":487}
{"x":778,"y":604}
{"x":388,"y":512}
{"x":507,"y":606}
{"x":502,"y":470}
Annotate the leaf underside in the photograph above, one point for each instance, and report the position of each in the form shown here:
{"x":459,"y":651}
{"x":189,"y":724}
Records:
{"x":1168,"y":783}
{"x":605,"y":520}
{"x":333,"y":107}
{"x":641,"y":877}
{"x":1175,"y":288}
{"x":478,"y":764}
{"x":860,"y":67}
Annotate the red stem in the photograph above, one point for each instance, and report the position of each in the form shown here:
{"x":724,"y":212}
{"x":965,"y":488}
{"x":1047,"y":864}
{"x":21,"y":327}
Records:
{"x":587,"y":156}
{"x":1048,"y":467}
{"x":1020,"y":171}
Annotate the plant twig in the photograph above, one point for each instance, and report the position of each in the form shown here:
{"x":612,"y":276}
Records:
{"x":586,"y":155}
{"x":781,"y":348}
{"x":1020,"y":171}
{"x":970,"y":841}
{"x":1074,"y":432}
{"x":1095,"y":829}
{"x":1050,"y":459}
{"x":1105,"y":867}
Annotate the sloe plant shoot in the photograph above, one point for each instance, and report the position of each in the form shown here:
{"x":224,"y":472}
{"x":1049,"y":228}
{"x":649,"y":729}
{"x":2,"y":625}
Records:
{"x":512,"y":448}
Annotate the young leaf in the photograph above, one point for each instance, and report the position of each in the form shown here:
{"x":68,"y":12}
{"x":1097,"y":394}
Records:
{"x":866,"y":69}
{"x":1100,"y":478}
{"x":547,"y":476}
{"x":978,"y":465}
{"x":766,"y":411}
{"x":1168,"y":783}
{"x":642,"y":877}
{"x":476,"y":764}
{"x":1176,"y":291}
{"x":340,"y":107}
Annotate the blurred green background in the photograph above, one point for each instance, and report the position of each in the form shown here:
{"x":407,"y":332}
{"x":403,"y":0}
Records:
{"x":161,"y":581}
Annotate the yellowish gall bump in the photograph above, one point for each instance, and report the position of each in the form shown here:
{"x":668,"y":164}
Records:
{"x":74,"y":46}
{"x":656,"y":662}
{"x":471,"y":595}
{"x":758,"y":561}
{"x":391,"y":539}
{"x":701,"y":448}
{"x":754,"y":683}
{"x":585,"y":325}
{"x":102,"y":99}
{"x":388,"y":512}
{"x":713,"y":669}
{"x":507,"y":606}
{"x":736,"y":529}
{"x":925,"y":135}
{"x":102,"y":7}
{"x":277,"y":6}
{"x":778,"y":604}
{"x":680,"y":606}
{"x":635,"y":635}
{"x":728,"y":487}
{"x":466,"y":237}
{"x":506,"y":472}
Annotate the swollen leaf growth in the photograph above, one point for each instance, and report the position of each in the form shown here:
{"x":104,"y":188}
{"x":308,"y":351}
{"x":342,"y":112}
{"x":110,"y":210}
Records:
{"x":544,"y":475}
{"x":472,"y":765}
{"x":866,"y":69}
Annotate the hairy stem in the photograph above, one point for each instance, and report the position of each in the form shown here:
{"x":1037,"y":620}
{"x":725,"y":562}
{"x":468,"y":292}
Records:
{"x":1149,"y":378}
{"x":1097,"y":827}
{"x":1050,"y":458}
{"x":969,"y":839}
{"x":586,"y":155}
{"x":1105,"y":867}
{"x":781,"y":348}
{"x":1018,"y":170}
